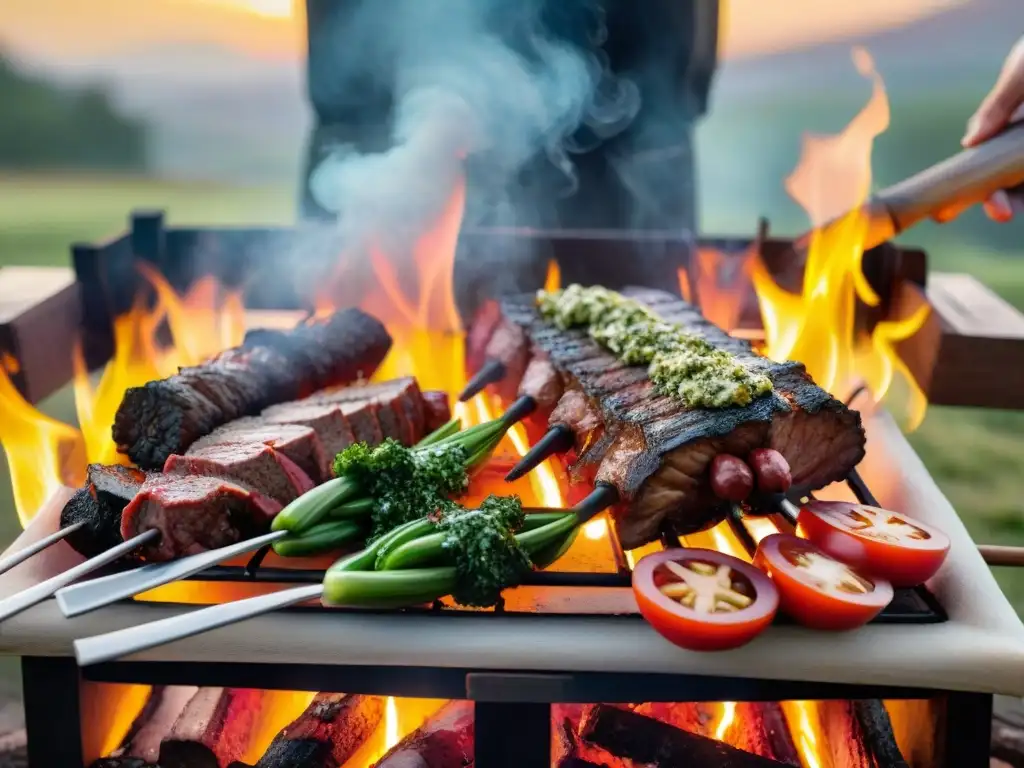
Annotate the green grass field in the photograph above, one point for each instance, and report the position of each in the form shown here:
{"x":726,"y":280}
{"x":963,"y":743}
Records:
{"x":977,"y":457}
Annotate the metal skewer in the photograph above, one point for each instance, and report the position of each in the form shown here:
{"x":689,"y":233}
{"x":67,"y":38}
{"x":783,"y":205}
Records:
{"x":491,"y":372}
{"x":558,"y":439}
{"x":123,"y":642}
{"x":97,"y":593}
{"x":24,"y":554}
{"x":17,"y":603}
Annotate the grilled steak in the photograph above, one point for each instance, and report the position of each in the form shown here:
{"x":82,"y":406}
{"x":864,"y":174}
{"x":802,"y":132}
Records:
{"x":331,"y":729}
{"x":656,"y":451}
{"x":99,"y":505}
{"x":509,"y":346}
{"x":230,"y":484}
{"x":444,"y":741}
{"x":254,"y":466}
{"x":541,"y":382}
{"x":327,"y":421}
{"x":438,"y":412}
{"x":165,"y":417}
{"x":194,"y":514}
{"x":298,"y":442}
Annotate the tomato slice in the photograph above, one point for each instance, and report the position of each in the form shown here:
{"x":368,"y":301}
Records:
{"x":704,"y":600}
{"x":818,"y":590}
{"x":875,"y":541}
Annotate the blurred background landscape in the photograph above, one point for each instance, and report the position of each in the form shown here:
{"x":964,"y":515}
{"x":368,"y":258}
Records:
{"x":199,"y":107}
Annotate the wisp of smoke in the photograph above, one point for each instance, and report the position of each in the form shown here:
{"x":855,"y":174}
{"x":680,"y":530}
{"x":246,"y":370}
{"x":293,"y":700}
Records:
{"x":485,"y":78}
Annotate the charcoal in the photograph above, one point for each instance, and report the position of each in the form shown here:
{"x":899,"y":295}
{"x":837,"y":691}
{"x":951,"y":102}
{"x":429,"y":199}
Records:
{"x":298,"y":442}
{"x":165,"y":417}
{"x":254,"y":466}
{"x":99,"y":505}
{"x":327,"y":421}
{"x":330,"y":730}
{"x":195,"y":514}
{"x":213,"y":729}
{"x":438,"y":411}
{"x":445,"y":740}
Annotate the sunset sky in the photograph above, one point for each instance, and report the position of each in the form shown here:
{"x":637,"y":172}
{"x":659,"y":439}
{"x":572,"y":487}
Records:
{"x":70,"y":29}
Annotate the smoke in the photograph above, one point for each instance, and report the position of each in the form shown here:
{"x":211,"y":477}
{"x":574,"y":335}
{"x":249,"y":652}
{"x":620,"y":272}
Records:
{"x":501,"y":82}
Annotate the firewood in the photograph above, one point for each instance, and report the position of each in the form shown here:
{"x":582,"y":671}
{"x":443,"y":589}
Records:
{"x":780,"y":738}
{"x":878,"y":734}
{"x":843,"y":735}
{"x":141,"y":745}
{"x":445,"y":740}
{"x":326,"y":734}
{"x":213,"y":729}
{"x":644,"y":740}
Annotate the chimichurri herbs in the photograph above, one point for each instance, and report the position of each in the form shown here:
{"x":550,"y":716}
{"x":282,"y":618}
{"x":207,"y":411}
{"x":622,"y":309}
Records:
{"x":680,"y":364}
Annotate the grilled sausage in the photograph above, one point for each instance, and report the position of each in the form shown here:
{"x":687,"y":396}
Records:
{"x":731,"y":478}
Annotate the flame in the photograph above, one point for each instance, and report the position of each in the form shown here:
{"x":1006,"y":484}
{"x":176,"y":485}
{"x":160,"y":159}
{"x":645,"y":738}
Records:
{"x":805,"y":725}
{"x":816,"y":327}
{"x":553,"y":279}
{"x":728,"y":717}
{"x":390,"y":724}
{"x":718,"y":283}
{"x":42,"y":453}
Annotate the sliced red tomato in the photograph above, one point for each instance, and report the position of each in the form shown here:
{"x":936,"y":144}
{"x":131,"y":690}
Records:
{"x":704,"y":600}
{"x":875,"y":541}
{"x":818,"y":590}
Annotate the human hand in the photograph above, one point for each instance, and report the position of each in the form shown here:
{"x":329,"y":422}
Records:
{"x":1003,"y":105}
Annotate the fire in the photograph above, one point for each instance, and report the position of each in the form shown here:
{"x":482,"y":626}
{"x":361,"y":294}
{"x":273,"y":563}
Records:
{"x":805,"y":725}
{"x":728,"y":718}
{"x":816,"y":326}
{"x":42,"y":453}
{"x":390,"y":724}
{"x":553,"y":279}
{"x":718,"y":282}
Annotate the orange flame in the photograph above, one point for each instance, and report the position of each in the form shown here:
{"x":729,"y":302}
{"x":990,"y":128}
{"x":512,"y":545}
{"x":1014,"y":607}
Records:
{"x":816,"y":327}
{"x":553,"y":279}
{"x":805,"y":725}
{"x":718,"y":282}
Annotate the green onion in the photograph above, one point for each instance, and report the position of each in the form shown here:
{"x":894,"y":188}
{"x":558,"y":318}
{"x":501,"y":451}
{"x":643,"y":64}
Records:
{"x":323,"y":537}
{"x":439,"y":434}
{"x":311,"y":507}
{"x":387,"y":589}
{"x":546,"y":557}
{"x":359,"y":508}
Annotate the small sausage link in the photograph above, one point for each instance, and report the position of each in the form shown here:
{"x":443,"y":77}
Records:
{"x":731,"y":478}
{"x":772,"y":470}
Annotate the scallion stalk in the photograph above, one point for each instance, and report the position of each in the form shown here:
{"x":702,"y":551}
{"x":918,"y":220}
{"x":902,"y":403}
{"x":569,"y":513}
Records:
{"x":323,"y":537}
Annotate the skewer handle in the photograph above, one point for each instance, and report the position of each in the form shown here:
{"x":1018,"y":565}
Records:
{"x":90,"y":595}
{"x":996,"y":555}
{"x":22,"y":555}
{"x":124,"y":642}
{"x":25,"y":599}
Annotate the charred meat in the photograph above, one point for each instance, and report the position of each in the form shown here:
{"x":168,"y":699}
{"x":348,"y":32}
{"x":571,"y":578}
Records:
{"x":654,"y":448}
{"x":165,"y":417}
{"x":99,"y":504}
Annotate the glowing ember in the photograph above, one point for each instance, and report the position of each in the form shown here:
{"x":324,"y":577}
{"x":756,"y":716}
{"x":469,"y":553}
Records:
{"x":816,"y":327}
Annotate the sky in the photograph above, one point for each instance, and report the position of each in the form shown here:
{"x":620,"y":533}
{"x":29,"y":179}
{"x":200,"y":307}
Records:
{"x":72,"y":29}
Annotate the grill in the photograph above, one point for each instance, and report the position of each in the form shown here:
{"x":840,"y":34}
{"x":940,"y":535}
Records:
{"x":935,"y":656}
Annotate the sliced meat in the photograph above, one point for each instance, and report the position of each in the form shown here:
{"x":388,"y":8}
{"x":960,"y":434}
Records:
{"x":444,"y":741}
{"x":99,"y":505}
{"x":401,"y":411}
{"x":330,"y":730}
{"x":438,"y":411}
{"x":510,"y":346}
{"x":254,"y":466}
{"x":364,"y":421}
{"x":296,"y":441}
{"x":213,"y":729}
{"x":541,"y":382}
{"x":327,"y":421}
{"x":195,"y":514}
{"x":165,"y":417}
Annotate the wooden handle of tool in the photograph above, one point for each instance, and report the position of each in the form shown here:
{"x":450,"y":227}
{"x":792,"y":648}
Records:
{"x":965,"y":179}
{"x":994,"y":554}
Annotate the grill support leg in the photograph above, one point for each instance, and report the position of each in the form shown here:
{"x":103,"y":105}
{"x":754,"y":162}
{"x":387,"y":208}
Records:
{"x":52,"y":716}
{"x":512,"y":735}
{"x":968,"y":730}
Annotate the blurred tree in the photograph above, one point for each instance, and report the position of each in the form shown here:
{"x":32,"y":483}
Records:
{"x":45,"y":126}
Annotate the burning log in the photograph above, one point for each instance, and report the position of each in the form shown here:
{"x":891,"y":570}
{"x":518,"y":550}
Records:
{"x":141,"y":746}
{"x":212,"y":730}
{"x":326,"y":734}
{"x":646,"y":741}
{"x":878,"y":733}
{"x":445,"y":740}
{"x":859,"y":734}
{"x":165,"y":417}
